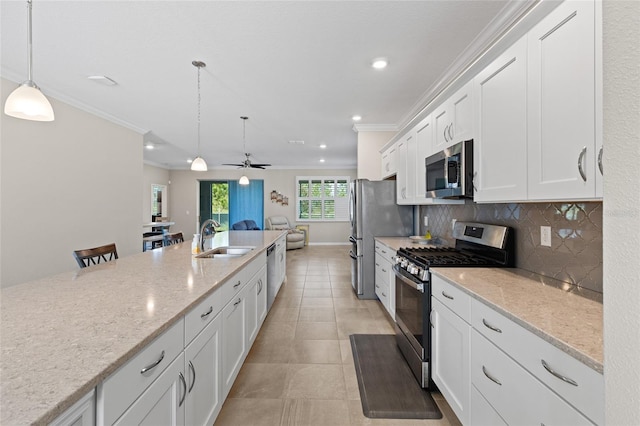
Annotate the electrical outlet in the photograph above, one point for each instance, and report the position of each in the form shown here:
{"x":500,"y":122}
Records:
{"x":426,"y":221}
{"x":453,"y":223}
{"x":545,"y":236}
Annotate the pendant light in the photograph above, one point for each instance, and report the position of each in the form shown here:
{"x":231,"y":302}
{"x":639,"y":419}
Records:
{"x":244,"y":180}
{"x":199,"y":165}
{"x":27,"y":101}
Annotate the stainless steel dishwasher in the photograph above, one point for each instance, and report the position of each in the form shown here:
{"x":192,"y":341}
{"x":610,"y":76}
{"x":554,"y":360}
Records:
{"x":272,"y":276}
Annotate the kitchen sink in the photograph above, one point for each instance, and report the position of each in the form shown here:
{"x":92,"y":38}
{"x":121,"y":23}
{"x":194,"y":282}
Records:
{"x":226,"y":251}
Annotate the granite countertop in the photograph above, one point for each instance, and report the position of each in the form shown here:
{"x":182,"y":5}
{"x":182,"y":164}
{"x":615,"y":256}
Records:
{"x":564,"y":315}
{"x":60,"y":336}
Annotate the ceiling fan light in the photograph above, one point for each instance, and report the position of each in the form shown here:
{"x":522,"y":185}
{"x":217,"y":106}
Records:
{"x":244,"y":180}
{"x":199,"y":165}
{"x":28,"y":103}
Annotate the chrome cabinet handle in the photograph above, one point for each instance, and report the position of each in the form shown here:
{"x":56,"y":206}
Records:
{"x":193,"y":371}
{"x":377,"y":286}
{"x":431,"y":319}
{"x":206,"y":314}
{"x":493,"y":379}
{"x":451,"y":131}
{"x":387,"y":166}
{"x":237,"y":284}
{"x":600,"y":161}
{"x":383,"y":251}
{"x":558,"y":375}
{"x":384,"y":295}
{"x":446,"y":295}
{"x":445,"y":134}
{"x":490,"y":327}
{"x":260,"y":286}
{"x":153,"y":365}
{"x":184,"y":389}
{"x":473,"y":181}
{"x":580,"y":161}
{"x":238,"y":302}
{"x":377,"y":264}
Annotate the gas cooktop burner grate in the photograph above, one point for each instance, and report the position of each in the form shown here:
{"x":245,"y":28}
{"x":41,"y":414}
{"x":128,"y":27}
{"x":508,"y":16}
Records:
{"x":443,"y":256}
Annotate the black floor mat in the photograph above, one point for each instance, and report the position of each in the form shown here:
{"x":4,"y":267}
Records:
{"x":388,"y":388}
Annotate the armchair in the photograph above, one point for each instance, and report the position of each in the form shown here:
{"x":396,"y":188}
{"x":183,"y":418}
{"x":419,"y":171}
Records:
{"x":295,"y":237}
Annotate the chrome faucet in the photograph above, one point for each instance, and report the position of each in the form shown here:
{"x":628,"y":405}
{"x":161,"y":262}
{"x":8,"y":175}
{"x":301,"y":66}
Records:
{"x":208,"y":228}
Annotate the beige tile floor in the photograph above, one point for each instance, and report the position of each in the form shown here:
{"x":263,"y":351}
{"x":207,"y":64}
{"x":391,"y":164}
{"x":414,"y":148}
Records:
{"x":300,"y":369}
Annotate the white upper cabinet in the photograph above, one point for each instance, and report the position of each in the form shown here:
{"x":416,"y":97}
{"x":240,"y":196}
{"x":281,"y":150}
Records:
{"x":406,"y":173}
{"x":562,"y":144}
{"x":500,"y":146}
{"x":424,"y":147}
{"x":453,"y":120}
{"x":389,"y":166}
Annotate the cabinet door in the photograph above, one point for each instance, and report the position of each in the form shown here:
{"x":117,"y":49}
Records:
{"x":82,"y":413}
{"x":424,"y":148}
{"x":401,"y":175}
{"x":561,"y":89}
{"x":410,"y":168}
{"x":281,"y":260}
{"x":256,"y":305}
{"x":450,"y":358}
{"x":202,"y":371}
{"x":500,"y":146}
{"x":389,"y":162}
{"x":261,"y":305}
{"x":163,"y":402}
{"x":441,"y":122}
{"x":234,"y":341}
{"x":461,"y":106}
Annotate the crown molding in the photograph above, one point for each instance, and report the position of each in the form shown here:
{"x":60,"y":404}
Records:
{"x":375,"y":128}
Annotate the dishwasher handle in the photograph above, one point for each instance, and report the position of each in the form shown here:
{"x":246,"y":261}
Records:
{"x":270,"y":249}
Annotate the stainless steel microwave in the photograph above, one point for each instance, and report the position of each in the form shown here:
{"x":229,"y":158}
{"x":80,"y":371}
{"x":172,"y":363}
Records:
{"x":449,"y":173}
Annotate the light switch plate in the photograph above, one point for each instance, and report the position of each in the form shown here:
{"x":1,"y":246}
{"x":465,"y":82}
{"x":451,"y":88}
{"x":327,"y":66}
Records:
{"x":545,"y":236}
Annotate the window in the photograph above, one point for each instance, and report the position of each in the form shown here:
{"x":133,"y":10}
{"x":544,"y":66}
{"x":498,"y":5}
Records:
{"x":322,"y":198}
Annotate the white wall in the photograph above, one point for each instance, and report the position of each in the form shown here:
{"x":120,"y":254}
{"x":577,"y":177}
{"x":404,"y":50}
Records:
{"x":154,"y":175}
{"x":621,"y":211}
{"x":369,"y":158}
{"x":68,"y":184}
{"x":184,"y":204}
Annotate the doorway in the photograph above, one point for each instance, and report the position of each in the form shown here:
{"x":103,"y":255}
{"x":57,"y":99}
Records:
{"x":228,"y":202}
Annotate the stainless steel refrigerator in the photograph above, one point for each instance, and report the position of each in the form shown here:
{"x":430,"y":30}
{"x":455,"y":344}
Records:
{"x":373,"y":213}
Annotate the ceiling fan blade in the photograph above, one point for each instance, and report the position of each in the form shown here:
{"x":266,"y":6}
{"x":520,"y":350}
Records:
{"x":259,"y":165}
{"x":233,"y":164}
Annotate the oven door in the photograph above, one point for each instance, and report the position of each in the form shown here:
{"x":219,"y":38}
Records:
{"x":410,"y":310}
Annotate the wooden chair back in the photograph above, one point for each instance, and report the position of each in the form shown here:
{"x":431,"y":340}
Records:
{"x":93,"y":256}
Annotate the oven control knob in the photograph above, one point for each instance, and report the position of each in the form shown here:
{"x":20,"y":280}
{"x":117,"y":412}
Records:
{"x":412,"y":269}
{"x":424,"y":275}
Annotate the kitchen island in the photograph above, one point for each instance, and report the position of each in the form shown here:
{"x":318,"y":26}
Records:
{"x":61,"y":336}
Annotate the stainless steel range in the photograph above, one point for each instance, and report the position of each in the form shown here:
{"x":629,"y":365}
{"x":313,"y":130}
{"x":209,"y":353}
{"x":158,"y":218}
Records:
{"x":477,"y":245}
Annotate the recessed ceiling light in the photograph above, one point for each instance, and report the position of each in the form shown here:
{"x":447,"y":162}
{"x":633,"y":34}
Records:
{"x":323,"y":146}
{"x":322,"y":160}
{"x":149,"y":146}
{"x":380,"y":63}
{"x":101,"y":79}
{"x":356,"y":118}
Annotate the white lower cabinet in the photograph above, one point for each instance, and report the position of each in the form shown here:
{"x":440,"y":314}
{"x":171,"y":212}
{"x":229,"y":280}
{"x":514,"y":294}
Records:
{"x":163,"y":402}
{"x":516,"y":395}
{"x":185,"y":374}
{"x":385,"y":280}
{"x":202,"y":372}
{"x":482,"y":413}
{"x":450,"y":358}
{"x":82,"y":413}
{"x":234,"y":340}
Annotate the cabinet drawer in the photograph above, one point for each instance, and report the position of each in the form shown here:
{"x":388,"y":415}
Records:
{"x":452,"y":297}
{"x":234,"y":284}
{"x":198,"y":318}
{"x":120,"y":390}
{"x":514,"y":393}
{"x":383,"y":267}
{"x":482,"y":413}
{"x":530,"y":351}
{"x":385,"y":251}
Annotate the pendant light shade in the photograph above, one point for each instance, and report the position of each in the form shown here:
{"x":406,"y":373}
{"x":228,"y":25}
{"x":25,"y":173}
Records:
{"x":244,"y":180}
{"x":27,"y":101}
{"x":199,"y":165}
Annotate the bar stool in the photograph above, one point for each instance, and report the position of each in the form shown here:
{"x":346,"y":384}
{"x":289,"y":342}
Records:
{"x":93,"y":256}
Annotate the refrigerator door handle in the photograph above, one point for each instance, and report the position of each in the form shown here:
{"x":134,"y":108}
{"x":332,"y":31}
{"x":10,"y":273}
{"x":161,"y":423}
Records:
{"x":353,"y":256}
{"x":352,"y":240}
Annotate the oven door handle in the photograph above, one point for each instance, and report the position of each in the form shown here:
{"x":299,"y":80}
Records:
{"x":408,"y":281}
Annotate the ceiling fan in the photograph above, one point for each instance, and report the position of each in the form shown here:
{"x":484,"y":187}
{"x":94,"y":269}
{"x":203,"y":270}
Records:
{"x":246,"y":164}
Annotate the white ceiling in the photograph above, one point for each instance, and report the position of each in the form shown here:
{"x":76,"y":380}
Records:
{"x":298,"y":69}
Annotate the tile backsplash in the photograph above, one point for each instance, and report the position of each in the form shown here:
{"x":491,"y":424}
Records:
{"x":575,"y":255}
